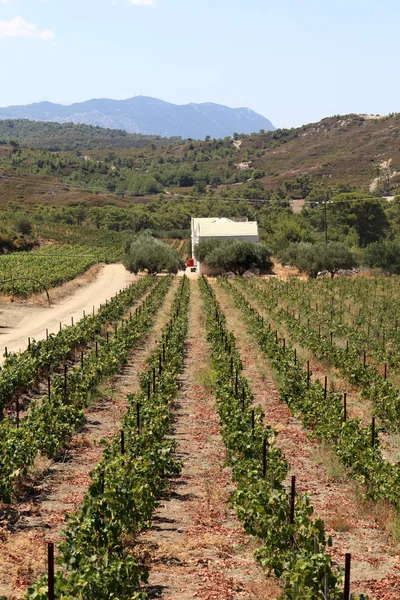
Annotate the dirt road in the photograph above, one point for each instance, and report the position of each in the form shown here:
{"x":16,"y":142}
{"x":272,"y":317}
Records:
{"x":18,"y":322}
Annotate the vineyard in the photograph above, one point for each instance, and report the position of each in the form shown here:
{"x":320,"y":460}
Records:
{"x":226,"y":438}
{"x":48,"y":267}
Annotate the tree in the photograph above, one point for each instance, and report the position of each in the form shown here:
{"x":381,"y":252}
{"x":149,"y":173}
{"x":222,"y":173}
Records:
{"x":206,"y":247}
{"x":336,"y":256}
{"x":384,"y":255}
{"x":237,"y":256}
{"x":145,"y":253}
{"x":313,"y":258}
{"x":23,"y":225}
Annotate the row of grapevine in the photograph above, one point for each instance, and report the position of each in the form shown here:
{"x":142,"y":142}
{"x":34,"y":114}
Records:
{"x":50,"y":265}
{"x":358,"y":311}
{"x":374,"y":386}
{"x":95,"y":561}
{"x":21,"y":370}
{"x":322,"y":411}
{"x":294,"y":545}
{"x":55,"y":417}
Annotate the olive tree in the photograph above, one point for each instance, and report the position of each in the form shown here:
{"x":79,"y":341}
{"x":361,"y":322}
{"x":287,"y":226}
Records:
{"x":313,"y":258}
{"x":145,"y":253}
{"x":237,"y":256}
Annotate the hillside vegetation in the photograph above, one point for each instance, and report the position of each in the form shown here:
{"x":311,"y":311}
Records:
{"x":68,"y":136}
{"x":350,"y":163}
{"x":353,"y":150}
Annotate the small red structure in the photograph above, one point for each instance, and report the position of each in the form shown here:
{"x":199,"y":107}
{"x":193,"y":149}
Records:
{"x":190,"y":262}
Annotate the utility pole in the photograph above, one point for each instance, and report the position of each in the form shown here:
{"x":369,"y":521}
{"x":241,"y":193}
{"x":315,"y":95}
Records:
{"x":326,"y":223}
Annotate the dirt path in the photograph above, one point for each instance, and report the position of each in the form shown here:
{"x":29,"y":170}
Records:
{"x":354,"y":528}
{"x":17,"y":323}
{"x":196,"y":547}
{"x":25,"y":529}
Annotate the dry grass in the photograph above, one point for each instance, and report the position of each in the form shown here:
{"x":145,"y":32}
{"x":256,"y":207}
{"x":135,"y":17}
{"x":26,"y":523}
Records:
{"x":29,"y":552}
{"x":337,"y":522}
{"x":267,"y":590}
{"x":324,"y":455}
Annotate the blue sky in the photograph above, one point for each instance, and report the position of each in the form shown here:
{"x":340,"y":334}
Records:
{"x":294,"y":61}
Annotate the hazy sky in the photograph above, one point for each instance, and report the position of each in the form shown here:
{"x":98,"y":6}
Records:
{"x":293,"y":61}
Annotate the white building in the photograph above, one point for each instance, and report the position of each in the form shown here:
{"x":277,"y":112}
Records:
{"x":222,"y":229}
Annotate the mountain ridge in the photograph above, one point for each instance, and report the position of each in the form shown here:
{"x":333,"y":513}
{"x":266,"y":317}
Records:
{"x":147,"y":116}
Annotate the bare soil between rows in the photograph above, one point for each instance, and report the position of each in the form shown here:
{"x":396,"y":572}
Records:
{"x":196,"y":548}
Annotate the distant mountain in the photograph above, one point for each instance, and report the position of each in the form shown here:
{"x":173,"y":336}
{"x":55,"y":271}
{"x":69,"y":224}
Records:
{"x":147,"y":116}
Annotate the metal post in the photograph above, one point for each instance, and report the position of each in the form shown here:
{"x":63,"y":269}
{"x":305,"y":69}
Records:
{"x":252,"y":420}
{"x":346,"y":595}
{"x":345,"y":406}
{"x":65,"y":379}
{"x":326,"y":387}
{"x":264,"y":458}
{"x":50,"y":569}
{"x":373,"y":432}
{"x":122,"y":441}
{"x":292,"y":498}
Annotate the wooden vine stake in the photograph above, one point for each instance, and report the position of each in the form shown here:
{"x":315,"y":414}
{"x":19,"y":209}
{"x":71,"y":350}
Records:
{"x":308,"y":373}
{"x":264,"y":458}
{"x":292,"y":498}
{"x":17,"y":411}
{"x":50,"y":569}
{"x":252,"y":419}
{"x":243,"y":396}
{"x":138,"y":417}
{"x":346,"y":595}
{"x":65,"y":379}
{"x":345,"y":407}
{"x":49,"y":387}
{"x":373,"y":432}
{"x":122,"y":441}
{"x":325,"y":387}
